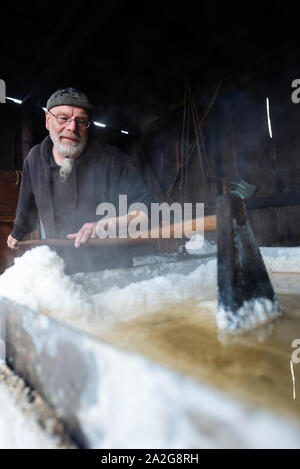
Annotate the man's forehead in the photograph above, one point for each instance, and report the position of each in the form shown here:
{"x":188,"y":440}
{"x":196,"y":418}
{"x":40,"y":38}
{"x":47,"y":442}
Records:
{"x":70,"y":110}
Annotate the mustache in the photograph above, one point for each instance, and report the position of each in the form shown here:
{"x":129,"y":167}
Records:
{"x":71,"y":135}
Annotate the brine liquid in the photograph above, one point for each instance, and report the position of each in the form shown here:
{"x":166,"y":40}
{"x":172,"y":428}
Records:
{"x":254,"y":366}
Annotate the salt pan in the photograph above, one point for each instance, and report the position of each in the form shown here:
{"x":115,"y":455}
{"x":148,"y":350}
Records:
{"x":37,"y":280}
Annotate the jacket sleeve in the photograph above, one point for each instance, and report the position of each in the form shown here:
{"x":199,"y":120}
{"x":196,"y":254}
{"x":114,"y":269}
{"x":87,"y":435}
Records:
{"x":26,"y":213}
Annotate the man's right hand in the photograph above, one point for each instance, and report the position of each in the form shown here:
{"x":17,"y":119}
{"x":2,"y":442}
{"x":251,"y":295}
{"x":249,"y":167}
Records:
{"x":12,"y":243}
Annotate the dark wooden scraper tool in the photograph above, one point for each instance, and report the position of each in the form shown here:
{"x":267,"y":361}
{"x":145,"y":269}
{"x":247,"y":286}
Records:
{"x":246,"y":298}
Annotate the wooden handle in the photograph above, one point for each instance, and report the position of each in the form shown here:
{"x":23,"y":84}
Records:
{"x":177,"y":230}
{"x":90,"y":242}
{"x":199,"y":225}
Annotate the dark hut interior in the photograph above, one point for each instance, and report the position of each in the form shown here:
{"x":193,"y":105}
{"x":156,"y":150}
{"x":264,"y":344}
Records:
{"x":185,"y":90}
{"x":187,"y":348}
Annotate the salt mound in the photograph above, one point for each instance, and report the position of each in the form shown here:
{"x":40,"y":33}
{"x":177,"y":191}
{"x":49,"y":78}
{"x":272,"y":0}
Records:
{"x":37,"y":280}
{"x":147,"y":296}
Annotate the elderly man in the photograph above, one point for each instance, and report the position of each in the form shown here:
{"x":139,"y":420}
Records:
{"x":67,"y":176}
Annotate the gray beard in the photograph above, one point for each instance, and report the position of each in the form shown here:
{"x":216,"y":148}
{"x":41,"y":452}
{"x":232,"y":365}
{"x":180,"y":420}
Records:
{"x":66,"y":168}
{"x":72,"y":150}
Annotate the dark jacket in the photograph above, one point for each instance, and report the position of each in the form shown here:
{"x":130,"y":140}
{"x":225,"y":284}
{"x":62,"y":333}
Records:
{"x":100,"y":174}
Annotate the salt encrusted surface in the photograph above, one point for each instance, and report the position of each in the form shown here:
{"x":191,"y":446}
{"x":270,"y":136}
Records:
{"x":26,"y":421}
{"x":150,"y":295}
{"x":37,"y":280}
{"x":281,"y":259}
{"x":253,"y":312}
{"x":173,"y":411}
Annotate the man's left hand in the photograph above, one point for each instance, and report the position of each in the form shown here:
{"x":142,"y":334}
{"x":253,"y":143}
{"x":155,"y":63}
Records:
{"x":88,"y":230}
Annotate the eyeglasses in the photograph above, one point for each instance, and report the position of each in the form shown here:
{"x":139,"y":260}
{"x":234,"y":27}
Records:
{"x":63,"y":120}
